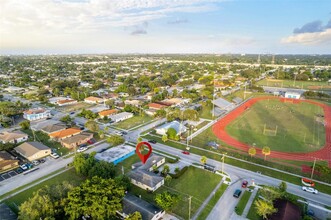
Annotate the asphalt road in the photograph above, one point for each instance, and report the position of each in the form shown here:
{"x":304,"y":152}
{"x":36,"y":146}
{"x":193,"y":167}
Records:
{"x":241,"y":174}
{"x":46,"y":168}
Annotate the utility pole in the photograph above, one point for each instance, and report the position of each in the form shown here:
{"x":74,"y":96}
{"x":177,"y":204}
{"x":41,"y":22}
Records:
{"x":189,"y":207}
{"x":223,"y":163}
{"x":213,"y":114}
{"x":312,"y":171}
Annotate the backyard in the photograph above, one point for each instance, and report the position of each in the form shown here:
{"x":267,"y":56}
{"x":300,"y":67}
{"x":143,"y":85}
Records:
{"x":133,"y":122}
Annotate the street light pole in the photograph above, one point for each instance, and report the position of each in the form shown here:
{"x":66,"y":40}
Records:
{"x":312,"y":171}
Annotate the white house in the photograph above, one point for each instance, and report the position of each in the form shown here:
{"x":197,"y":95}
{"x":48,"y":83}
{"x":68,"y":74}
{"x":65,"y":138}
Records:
{"x":162,"y":130}
{"x":13,"y":137}
{"x":120,"y":116}
{"x":292,"y":95}
{"x":142,"y":175}
{"x":93,"y":100}
{"x":36,"y":114}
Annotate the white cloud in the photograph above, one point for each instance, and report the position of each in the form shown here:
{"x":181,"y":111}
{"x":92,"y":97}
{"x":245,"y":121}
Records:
{"x":309,"y":38}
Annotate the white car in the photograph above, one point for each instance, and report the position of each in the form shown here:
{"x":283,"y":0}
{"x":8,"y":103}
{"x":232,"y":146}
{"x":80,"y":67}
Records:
{"x":81,"y":149}
{"x":55,"y":155}
{"x":119,"y":133}
{"x":24,"y":167}
{"x":35,"y":162}
{"x":309,"y":189}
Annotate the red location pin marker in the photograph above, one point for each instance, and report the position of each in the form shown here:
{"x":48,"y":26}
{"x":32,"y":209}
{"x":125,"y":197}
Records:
{"x":143,"y":157}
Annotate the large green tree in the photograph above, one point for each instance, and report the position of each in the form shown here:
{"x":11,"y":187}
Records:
{"x":45,"y":203}
{"x":115,"y":140}
{"x":98,"y":198}
{"x":92,"y":126}
{"x":83,"y":163}
{"x":134,"y":216}
{"x":102,"y":169}
{"x":172,"y":133}
{"x":166,"y":200}
{"x":264,"y":208}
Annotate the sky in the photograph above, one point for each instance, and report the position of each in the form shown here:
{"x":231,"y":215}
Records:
{"x":165,"y":26}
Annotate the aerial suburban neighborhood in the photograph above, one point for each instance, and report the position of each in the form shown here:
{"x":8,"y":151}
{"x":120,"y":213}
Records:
{"x":173,"y":110}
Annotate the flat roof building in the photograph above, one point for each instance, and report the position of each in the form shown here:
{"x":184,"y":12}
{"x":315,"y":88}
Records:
{"x":116,"y":154}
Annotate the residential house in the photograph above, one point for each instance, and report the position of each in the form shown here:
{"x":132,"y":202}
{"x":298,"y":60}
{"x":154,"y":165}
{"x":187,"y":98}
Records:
{"x":121,"y":116}
{"x":48,"y":129}
{"x":174,"y":102}
{"x":14,"y":89}
{"x":93,"y":100}
{"x":59,"y":135}
{"x":66,"y":102}
{"x":142,"y":175}
{"x":156,"y":106}
{"x":107,"y":113}
{"x":134,"y":102}
{"x":7,"y":161}
{"x":76,"y":140}
{"x":162,"y":130}
{"x":37,"y":126}
{"x":36,"y":114}
{"x":33,"y":150}
{"x":13,"y":137}
{"x":148,"y":211}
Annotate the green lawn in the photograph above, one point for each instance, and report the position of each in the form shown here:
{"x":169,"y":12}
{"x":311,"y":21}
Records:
{"x":292,"y":84}
{"x":18,"y":199}
{"x":252,"y":215}
{"x":288,"y":127}
{"x":133,"y":122}
{"x":206,"y":112}
{"x":242,"y":202}
{"x":74,"y":107}
{"x":194,"y":182}
{"x":205,"y":212}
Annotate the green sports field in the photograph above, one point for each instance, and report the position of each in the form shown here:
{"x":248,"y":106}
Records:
{"x":283,"y":127}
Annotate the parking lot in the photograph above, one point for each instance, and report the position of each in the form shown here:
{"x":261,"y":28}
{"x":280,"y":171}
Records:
{"x":7,"y":175}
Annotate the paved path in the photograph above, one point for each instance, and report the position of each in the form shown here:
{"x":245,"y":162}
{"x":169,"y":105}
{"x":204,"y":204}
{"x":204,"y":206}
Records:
{"x":249,"y":203}
{"x":197,"y":213}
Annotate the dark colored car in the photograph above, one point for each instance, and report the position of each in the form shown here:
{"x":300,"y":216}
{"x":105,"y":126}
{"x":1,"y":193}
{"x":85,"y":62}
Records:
{"x":237,"y":193}
{"x":91,"y":141}
{"x":42,"y":160}
{"x":19,"y":170}
{"x":83,"y":145}
{"x":124,"y":132}
{"x":102,"y":150}
{"x":244,"y":184}
{"x":152,"y":141}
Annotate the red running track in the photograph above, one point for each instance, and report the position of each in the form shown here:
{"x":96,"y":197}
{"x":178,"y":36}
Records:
{"x":324,"y":153}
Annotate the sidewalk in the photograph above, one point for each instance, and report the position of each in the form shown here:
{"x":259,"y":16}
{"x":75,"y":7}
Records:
{"x":249,"y":203}
{"x":197,"y":213}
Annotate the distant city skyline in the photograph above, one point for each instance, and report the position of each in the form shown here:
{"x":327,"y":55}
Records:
{"x":165,"y":26}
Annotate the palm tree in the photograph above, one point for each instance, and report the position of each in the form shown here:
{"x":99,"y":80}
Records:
{"x":252,"y":151}
{"x":264,"y":208}
{"x":203,"y":160}
{"x":266,"y":151}
{"x":165,"y":138}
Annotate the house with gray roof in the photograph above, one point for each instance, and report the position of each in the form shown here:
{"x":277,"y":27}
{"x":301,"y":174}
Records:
{"x":13,"y":137}
{"x":33,"y":150}
{"x":133,"y":204}
{"x":142,"y":175}
{"x":51,"y":128}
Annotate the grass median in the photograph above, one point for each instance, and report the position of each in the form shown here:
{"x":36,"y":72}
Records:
{"x":243,"y":202}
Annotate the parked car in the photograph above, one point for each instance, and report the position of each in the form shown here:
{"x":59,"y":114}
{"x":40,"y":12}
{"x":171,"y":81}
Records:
{"x":91,"y":141}
{"x":35,"y":162}
{"x":309,"y":189}
{"x":186,"y":152}
{"x":102,"y":150}
{"x":24,"y":167}
{"x":152,"y":141}
{"x":81,"y":149}
{"x":42,"y":160}
{"x":244,"y":184}
{"x":71,"y":113}
{"x":83,"y":145}
{"x":237,"y":193}
{"x":124,"y":132}
{"x":19,"y":170}
{"x":55,"y":155}
{"x":118,"y":133}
